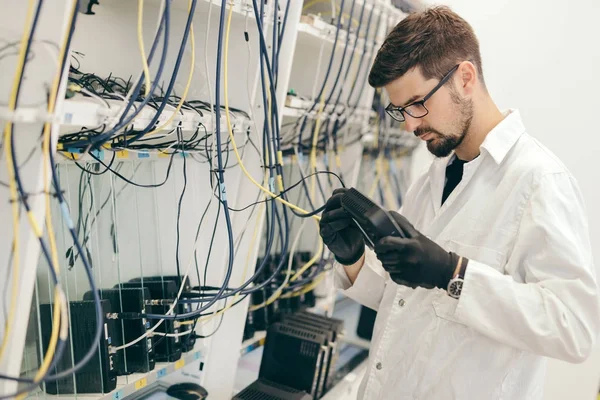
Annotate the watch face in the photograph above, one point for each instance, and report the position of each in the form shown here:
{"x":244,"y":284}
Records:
{"x":455,"y":288}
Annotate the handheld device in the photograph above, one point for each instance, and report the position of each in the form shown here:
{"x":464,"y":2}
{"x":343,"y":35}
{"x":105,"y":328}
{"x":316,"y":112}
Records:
{"x":374,"y":222}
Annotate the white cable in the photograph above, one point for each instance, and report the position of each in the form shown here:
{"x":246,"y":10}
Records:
{"x":333,"y":10}
{"x":172,"y":334}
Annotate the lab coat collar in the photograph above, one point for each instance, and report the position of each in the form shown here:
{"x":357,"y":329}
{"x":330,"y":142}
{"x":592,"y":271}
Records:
{"x":497,"y":144}
{"x":503,"y":136}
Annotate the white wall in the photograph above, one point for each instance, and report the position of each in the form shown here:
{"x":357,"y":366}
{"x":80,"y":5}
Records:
{"x":542,"y":58}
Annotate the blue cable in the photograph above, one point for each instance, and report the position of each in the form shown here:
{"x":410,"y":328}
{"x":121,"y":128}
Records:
{"x":221,"y":178}
{"x":337,"y":78}
{"x":173,"y":76}
{"x":328,"y":71}
{"x":124,"y":121}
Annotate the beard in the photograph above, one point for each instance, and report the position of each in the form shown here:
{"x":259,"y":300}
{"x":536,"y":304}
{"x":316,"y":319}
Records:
{"x":443,"y":144}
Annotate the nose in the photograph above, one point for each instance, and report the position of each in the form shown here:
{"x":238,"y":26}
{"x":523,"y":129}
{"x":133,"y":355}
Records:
{"x":410,"y":123}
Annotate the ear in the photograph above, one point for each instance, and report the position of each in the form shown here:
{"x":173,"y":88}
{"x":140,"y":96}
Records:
{"x":467,"y":78}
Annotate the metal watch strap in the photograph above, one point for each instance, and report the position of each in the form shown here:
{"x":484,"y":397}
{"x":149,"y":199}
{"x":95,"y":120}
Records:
{"x":462,"y":269}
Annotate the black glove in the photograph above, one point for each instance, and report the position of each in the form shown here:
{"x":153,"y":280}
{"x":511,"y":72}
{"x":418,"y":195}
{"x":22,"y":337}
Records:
{"x":339,"y":233}
{"x":416,"y":260}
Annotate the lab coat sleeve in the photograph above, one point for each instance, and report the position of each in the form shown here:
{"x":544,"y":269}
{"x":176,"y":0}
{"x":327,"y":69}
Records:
{"x":547,"y":300}
{"x":369,"y":285}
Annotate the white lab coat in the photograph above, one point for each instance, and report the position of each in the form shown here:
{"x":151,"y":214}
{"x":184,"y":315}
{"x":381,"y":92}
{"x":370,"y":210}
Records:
{"x":530,"y":288}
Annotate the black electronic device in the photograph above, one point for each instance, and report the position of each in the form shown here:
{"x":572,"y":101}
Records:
{"x":329,"y":335}
{"x":98,"y":375}
{"x":138,"y":357}
{"x":166,"y":348}
{"x":187,"y":391}
{"x":187,"y":341}
{"x":263,"y":389}
{"x":293,"y":357}
{"x":374,"y":222}
{"x":334,"y":327}
{"x":336,"y":324}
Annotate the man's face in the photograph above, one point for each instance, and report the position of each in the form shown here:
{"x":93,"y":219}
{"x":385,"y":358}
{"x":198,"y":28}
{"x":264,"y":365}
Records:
{"x":449,"y":117}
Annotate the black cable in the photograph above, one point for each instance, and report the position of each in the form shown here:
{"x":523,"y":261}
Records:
{"x":152,"y":185}
{"x":158,"y":113}
{"x":123,"y":121}
{"x":221,"y":179}
{"x":99,"y":315}
{"x":289,"y":188}
{"x":337,"y":78}
{"x":325,"y":79}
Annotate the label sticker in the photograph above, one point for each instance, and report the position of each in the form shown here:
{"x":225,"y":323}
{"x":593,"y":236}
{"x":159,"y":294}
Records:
{"x":141,"y":383}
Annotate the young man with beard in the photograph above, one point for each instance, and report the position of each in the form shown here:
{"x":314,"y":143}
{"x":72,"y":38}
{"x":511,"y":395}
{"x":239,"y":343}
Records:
{"x":496,"y":272}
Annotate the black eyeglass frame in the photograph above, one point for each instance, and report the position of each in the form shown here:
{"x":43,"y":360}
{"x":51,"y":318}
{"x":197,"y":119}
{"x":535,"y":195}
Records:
{"x":392,"y":108}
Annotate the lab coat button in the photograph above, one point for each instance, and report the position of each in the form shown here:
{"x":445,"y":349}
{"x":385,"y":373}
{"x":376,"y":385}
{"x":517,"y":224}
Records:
{"x":401,"y":303}
{"x":378,"y":365}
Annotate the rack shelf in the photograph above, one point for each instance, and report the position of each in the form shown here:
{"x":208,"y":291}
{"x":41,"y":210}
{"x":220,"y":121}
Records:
{"x":126,"y":385}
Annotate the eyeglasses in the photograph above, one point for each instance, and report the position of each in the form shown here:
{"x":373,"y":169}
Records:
{"x":417,"y":109}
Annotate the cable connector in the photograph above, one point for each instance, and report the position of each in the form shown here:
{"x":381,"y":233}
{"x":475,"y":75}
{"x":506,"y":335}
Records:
{"x":126,"y":315}
{"x":159,"y":302}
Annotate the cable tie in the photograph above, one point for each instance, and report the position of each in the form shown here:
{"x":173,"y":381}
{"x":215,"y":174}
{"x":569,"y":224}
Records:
{"x":66,"y":217}
{"x":223,"y":192}
{"x":29,"y":115}
{"x":272,"y":184}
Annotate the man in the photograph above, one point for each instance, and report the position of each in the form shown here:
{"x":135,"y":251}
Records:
{"x":496,"y":272}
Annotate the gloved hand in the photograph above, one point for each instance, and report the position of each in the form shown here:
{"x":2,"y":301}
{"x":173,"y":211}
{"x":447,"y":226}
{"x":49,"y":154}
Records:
{"x":339,"y":233}
{"x":416,"y":260}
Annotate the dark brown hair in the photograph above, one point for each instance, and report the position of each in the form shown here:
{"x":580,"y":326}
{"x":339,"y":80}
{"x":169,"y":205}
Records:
{"x":435,"y":39}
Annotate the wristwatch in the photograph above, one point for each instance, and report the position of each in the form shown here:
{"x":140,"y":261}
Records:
{"x":456,"y":283}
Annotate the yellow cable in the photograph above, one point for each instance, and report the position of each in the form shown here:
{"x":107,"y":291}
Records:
{"x":346,"y":15}
{"x":258,"y":218}
{"x":313,"y":2}
{"x":60,"y":319}
{"x":140,"y":37}
{"x":187,"y":85}
{"x":328,"y":12}
{"x":377,"y":176}
{"x":307,"y":288}
{"x":59,"y":297}
{"x":230,"y":129}
{"x":11,"y":180}
{"x":237,"y":154}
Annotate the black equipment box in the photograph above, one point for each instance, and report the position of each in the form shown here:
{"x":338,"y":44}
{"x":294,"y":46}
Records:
{"x":166,"y":348}
{"x":99,"y":374}
{"x":140,"y":356}
{"x":263,"y":389}
{"x":187,"y":342}
{"x":294,"y":357}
